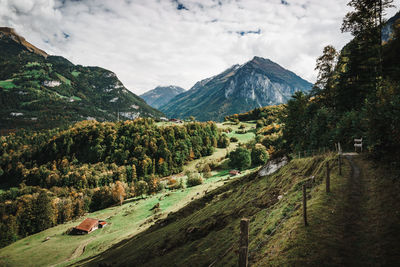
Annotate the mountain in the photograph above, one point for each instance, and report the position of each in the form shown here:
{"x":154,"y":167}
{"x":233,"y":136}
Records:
{"x":259,"y":82}
{"x":161,"y":95}
{"x":38,"y":90}
{"x":387,"y":30}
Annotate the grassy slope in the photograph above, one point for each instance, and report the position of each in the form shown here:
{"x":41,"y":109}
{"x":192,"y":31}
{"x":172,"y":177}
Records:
{"x":204,"y":230}
{"x":131,"y":218}
{"x":357,"y":224}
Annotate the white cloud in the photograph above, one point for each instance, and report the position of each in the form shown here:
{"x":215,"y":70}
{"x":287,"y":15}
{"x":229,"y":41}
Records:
{"x":152,"y":42}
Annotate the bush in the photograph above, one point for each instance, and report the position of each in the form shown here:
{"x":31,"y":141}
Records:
{"x":223,"y":141}
{"x":193,"y":179}
{"x":241,"y":131}
{"x":177,"y":185}
{"x":234,"y":139}
{"x":240,"y":158}
{"x":259,"y":155}
{"x":271,"y":140}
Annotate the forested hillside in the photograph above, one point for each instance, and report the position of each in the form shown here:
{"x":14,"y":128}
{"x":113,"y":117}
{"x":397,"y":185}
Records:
{"x":41,"y":91}
{"x":54,"y":176}
{"x":357,"y":94}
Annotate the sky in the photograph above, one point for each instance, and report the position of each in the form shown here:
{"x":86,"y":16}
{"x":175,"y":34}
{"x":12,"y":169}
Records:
{"x":148,"y":43}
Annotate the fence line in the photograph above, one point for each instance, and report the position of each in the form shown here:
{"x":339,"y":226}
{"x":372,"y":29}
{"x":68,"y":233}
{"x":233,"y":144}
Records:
{"x":310,"y":152}
{"x":243,"y":244}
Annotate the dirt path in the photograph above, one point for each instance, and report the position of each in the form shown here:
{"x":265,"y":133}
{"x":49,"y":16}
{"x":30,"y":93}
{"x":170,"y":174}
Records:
{"x":352,"y":214}
{"x":370,"y":217}
{"x":77,"y":252}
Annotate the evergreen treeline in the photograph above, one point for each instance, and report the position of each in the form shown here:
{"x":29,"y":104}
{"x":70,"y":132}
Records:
{"x":61,"y":174}
{"x":357,"y":94}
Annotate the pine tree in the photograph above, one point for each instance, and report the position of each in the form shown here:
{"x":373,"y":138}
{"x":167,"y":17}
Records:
{"x":324,"y":86}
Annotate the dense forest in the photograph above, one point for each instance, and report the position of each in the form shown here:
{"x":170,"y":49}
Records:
{"x":357,"y":94}
{"x":56,"y":175}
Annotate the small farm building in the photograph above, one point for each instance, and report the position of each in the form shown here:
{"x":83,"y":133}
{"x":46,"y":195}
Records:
{"x":234,"y":172}
{"x":89,"y":225}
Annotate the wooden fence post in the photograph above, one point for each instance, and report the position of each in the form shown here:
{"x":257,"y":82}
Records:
{"x":305,"y":204}
{"x":244,"y":243}
{"x":340,"y":165}
{"x":328,"y":179}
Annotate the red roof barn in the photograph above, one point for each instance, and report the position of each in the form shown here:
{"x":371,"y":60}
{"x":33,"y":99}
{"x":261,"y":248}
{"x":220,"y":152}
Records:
{"x":234,"y":172}
{"x":89,"y":225}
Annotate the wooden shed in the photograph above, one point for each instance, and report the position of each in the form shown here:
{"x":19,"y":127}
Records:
{"x":234,"y":172}
{"x":89,"y":225}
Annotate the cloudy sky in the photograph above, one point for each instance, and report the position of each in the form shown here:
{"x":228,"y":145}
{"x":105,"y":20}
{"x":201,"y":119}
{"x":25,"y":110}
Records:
{"x":179,"y":42}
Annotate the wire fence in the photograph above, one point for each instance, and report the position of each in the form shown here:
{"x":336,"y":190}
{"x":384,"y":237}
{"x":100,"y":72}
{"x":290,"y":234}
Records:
{"x":310,"y":153}
{"x":310,"y":182}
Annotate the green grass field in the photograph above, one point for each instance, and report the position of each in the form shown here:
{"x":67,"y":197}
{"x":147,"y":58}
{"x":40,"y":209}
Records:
{"x":31,"y":64}
{"x":63,"y":79}
{"x":243,"y":138}
{"x":133,"y":217}
{"x":75,"y":73}
{"x":7,"y":84}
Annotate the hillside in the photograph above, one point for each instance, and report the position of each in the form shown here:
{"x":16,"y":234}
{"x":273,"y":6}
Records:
{"x":257,"y":83}
{"x":50,"y":177}
{"x":206,"y":232}
{"x":42,"y":91}
{"x":161,"y":95}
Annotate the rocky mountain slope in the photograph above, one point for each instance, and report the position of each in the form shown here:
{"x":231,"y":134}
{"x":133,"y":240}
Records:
{"x":42,"y":91}
{"x":161,"y":95}
{"x":388,"y":29}
{"x":259,"y":82}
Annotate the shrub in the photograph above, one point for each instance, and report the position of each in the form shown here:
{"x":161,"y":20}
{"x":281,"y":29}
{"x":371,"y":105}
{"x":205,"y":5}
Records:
{"x":177,"y":185}
{"x":193,"y":179}
{"x":240,"y":158}
{"x":259,"y":155}
{"x":223,"y":141}
{"x":234,"y":139}
{"x":271,"y":140}
{"x":206,"y":171}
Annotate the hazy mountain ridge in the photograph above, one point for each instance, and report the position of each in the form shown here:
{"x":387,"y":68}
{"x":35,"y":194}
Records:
{"x":259,"y":82}
{"x":161,"y":95}
{"x":43,"y":91}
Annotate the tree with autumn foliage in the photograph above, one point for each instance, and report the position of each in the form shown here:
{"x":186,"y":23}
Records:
{"x":118,"y":192}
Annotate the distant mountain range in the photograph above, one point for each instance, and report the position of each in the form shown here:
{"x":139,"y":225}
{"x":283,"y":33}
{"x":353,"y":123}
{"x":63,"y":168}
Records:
{"x":42,"y":91}
{"x":161,"y":95}
{"x":259,"y":82}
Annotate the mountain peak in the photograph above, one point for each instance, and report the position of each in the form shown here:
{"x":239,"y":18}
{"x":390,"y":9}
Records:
{"x":257,"y":58}
{"x":161,"y":95}
{"x":12,"y":34}
{"x":258,"y":82}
